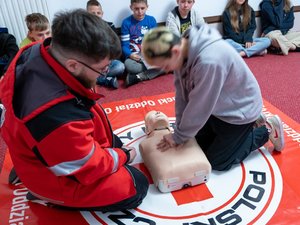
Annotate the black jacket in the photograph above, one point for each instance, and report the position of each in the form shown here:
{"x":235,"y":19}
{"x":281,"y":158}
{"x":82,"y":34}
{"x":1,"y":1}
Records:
{"x":8,"y":49}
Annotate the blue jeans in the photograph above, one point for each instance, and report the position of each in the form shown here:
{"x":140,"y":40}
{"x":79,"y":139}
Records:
{"x":116,"y":68}
{"x":262,"y":43}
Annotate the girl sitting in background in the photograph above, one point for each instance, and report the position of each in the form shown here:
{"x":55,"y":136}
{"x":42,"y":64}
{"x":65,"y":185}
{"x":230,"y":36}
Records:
{"x":277,"y":20}
{"x":239,"y":25}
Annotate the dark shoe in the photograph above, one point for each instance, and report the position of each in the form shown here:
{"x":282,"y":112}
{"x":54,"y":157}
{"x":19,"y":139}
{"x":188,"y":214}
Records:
{"x":274,"y":50}
{"x":108,"y":82}
{"x":150,"y":74}
{"x":297,"y":49}
{"x":132,"y":79}
{"x":13,"y":177}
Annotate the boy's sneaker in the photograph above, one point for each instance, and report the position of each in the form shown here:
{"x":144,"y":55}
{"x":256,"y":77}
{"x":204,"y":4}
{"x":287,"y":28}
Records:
{"x":132,"y":79}
{"x":276,"y":135}
{"x":108,"y":82}
{"x":261,"y":120}
{"x":262,"y":53}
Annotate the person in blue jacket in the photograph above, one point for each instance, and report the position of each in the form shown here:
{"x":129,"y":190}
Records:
{"x":133,"y":29}
{"x":277,"y":20}
{"x":238,"y":27}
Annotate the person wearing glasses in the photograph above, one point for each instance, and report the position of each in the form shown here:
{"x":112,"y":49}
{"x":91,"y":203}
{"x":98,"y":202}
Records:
{"x":60,"y":140}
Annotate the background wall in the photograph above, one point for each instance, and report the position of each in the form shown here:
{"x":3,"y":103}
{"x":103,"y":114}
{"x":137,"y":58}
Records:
{"x":116,"y":10}
{"x":13,"y":12}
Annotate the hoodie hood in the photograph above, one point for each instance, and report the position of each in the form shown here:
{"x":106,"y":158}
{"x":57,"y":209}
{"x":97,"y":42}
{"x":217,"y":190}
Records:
{"x":199,"y":38}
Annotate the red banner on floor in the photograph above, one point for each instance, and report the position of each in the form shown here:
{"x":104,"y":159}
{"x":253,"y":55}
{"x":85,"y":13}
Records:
{"x":261,"y":190}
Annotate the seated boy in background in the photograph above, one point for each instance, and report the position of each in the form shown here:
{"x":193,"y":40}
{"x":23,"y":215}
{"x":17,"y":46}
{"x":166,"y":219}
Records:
{"x":133,"y":30}
{"x":183,"y":16}
{"x":116,"y":67}
{"x":38,"y":28}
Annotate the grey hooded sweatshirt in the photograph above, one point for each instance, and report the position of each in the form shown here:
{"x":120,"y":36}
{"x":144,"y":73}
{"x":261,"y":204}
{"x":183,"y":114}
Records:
{"x":214,"y":80}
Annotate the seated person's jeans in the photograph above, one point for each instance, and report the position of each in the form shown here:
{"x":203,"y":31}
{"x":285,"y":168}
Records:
{"x":116,"y":68}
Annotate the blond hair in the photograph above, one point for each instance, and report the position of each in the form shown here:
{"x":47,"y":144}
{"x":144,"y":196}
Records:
{"x":36,"y":21}
{"x":158,"y":42}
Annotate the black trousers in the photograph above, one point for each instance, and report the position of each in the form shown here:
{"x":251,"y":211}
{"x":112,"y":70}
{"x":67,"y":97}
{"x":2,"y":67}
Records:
{"x":225,"y":144}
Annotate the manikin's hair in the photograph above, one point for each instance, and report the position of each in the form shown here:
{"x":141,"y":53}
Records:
{"x":79,"y":32}
{"x":234,"y":8}
{"x":158,"y":42}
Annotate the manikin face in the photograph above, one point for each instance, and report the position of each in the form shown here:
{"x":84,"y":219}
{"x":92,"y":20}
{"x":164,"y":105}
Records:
{"x":37,"y":35}
{"x":185,"y":6}
{"x":139,"y":10}
{"x":156,"y":120}
{"x":96,"y":10}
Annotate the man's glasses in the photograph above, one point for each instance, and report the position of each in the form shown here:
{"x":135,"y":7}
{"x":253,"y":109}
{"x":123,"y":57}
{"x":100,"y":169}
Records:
{"x":102,"y":72}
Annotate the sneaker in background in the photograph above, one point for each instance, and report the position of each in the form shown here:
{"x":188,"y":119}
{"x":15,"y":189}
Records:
{"x":108,"y":82}
{"x":262,"y":53}
{"x":276,"y":135}
{"x":132,"y":79}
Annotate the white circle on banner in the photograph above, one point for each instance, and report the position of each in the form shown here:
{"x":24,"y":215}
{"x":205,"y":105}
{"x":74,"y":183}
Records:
{"x":249,"y":192}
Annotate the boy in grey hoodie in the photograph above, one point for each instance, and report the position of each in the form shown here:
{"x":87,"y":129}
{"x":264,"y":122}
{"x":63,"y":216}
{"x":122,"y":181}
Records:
{"x":183,"y":16}
{"x":218,"y":99}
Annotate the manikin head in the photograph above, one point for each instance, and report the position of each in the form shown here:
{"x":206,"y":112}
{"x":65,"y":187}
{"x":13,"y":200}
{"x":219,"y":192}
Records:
{"x":156,"y":120}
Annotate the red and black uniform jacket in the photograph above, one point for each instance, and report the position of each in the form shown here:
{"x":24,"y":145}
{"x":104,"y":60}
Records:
{"x":59,"y":139}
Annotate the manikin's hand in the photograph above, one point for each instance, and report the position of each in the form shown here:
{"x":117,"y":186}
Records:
{"x":132,"y":153}
{"x":166,"y":143}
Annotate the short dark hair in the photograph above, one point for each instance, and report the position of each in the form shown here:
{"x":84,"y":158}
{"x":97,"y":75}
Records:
{"x":93,"y":3}
{"x":85,"y":34}
{"x":138,"y":1}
